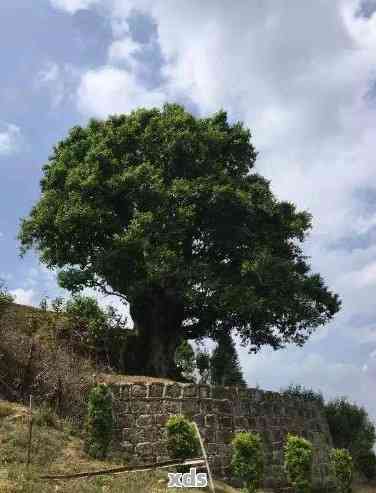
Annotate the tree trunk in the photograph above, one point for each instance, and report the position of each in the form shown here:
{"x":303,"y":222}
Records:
{"x":158,"y":322}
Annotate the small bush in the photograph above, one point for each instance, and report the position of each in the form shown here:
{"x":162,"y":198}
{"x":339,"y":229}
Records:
{"x":100,"y":423}
{"x":182,"y":440}
{"x":248,"y":459}
{"x":298,"y":463}
{"x":303,"y":393}
{"x":351,"y":429}
{"x":367,"y":464}
{"x":343,"y":469}
{"x":45,"y":416}
{"x":5,"y":298}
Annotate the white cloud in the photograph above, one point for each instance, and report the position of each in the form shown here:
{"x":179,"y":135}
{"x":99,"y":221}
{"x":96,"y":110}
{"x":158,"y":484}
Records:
{"x":10,"y":139}
{"x":123,"y":49}
{"x":111,"y":90}
{"x":24,"y":296}
{"x":58,"y":81}
{"x":299,"y":76}
{"x":72,"y":6}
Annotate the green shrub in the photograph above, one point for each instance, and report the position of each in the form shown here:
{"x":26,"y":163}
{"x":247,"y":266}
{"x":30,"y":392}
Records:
{"x":343,"y":469}
{"x":45,"y":416}
{"x":182,"y":440}
{"x":99,"y":426}
{"x":298,"y":463}
{"x":367,"y":463}
{"x":5,"y":298}
{"x":295,"y":390}
{"x":351,"y":429}
{"x":248,"y":459}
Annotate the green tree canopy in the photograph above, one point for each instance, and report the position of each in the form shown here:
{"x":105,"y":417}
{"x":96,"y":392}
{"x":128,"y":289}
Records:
{"x":352,"y":429}
{"x":166,"y":210}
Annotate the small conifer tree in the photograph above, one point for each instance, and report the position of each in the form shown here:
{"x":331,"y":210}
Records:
{"x":225,"y":368}
{"x":99,"y":425}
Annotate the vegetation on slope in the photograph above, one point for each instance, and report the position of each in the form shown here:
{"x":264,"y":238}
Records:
{"x":56,"y":448}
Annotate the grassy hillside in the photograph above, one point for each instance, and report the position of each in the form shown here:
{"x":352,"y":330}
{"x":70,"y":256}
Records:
{"x":56,"y":448}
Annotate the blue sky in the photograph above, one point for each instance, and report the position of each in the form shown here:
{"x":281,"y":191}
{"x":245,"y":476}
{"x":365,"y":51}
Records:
{"x":301,"y":75}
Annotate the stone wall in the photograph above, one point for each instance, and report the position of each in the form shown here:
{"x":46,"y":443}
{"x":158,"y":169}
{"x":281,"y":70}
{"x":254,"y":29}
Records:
{"x":141,"y":411}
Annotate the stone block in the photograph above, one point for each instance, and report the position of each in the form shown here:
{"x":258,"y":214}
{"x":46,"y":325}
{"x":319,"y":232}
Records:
{"x":211,"y":420}
{"x":155,"y":405}
{"x":204,"y":391}
{"x":190,"y":407}
{"x":127,"y":420}
{"x":139,"y":390}
{"x":127,"y":449}
{"x":156,"y":390}
{"x":171,"y":407}
{"x":144,"y":449}
{"x":140,"y":407}
{"x":207,"y":406}
{"x":161,"y":419}
{"x":243,"y":408}
{"x":146,"y":433}
{"x":161,"y":433}
{"x":145,"y":420}
{"x":219,"y":392}
{"x":223,"y":436}
{"x":129,"y":435}
{"x":226,"y":421}
{"x":241,"y":422}
{"x":222,"y":406}
{"x":190,"y":391}
{"x":208,"y":434}
{"x":211,"y":448}
{"x":160,"y":448}
{"x":198,"y":419}
{"x":173,"y":390}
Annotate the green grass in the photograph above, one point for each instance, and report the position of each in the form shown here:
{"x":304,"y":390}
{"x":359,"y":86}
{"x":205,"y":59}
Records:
{"x":56,"y":448}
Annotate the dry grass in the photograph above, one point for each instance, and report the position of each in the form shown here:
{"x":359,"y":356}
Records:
{"x":56,"y":449}
{"x":364,"y":488}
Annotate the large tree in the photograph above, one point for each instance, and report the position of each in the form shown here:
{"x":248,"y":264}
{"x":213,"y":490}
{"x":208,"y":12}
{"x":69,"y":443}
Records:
{"x":166,"y":211}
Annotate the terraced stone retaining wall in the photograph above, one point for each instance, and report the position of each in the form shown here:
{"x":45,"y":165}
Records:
{"x":141,"y":411}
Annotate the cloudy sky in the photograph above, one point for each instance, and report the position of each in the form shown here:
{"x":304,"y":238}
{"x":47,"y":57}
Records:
{"x":300,"y":74}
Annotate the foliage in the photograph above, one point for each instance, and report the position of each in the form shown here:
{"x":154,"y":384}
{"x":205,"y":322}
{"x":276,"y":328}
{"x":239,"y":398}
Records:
{"x":55,"y":449}
{"x":89,"y":327}
{"x":185,"y":359}
{"x":342,"y":465}
{"x":100,"y":422}
{"x":203,"y":365}
{"x":166,"y":211}
{"x":351,"y":429}
{"x":225,"y":367}
{"x":298,"y":454}
{"x":366,"y":462}
{"x":5,"y":297}
{"x":182,"y":440}
{"x":303,"y":393}
{"x":248,"y":459}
